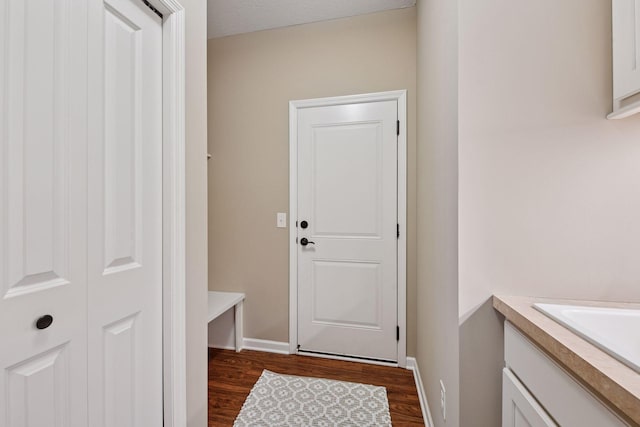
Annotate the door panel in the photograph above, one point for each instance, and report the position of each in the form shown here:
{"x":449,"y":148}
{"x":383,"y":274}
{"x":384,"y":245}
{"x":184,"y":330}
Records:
{"x":336,"y":178}
{"x":347,"y":192}
{"x":40,"y":382}
{"x":125,"y":215}
{"x":35,"y":160}
{"x":359,"y":287}
{"x":120,"y":370}
{"x":122,"y":156}
{"x":43,"y":55}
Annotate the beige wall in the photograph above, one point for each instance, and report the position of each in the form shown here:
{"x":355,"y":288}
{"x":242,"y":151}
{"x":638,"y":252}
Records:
{"x":437,"y":166}
{"x":549,"y":189}
{"x":196,"y":214}
{"x":252,"y":77}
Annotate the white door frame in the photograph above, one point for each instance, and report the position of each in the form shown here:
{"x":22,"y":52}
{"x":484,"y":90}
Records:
{"x":173,"y":213}
{"x":401,"y":97}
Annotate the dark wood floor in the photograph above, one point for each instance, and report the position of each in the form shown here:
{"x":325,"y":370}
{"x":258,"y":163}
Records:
{"x":232,"y":375}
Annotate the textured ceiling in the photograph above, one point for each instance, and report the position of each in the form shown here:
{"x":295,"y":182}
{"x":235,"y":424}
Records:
{"x":227,"y":17}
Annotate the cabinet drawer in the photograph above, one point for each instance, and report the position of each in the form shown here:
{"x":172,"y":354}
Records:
{"x":568,"y":402}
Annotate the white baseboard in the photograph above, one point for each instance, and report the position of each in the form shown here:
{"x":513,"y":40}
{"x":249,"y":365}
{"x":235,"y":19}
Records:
{"x":265,"y":345}
{"x":412,"y":365}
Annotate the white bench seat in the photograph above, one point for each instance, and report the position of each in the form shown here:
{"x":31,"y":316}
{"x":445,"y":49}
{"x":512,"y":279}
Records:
{"x":219,"y":302}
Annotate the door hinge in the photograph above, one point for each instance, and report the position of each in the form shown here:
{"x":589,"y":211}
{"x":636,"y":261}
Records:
{"x":150,"y":6}
{"x":296,"y":224}
{"x":397,"y":127}
{"x":398,"y":231}
{"x":397,"y":333}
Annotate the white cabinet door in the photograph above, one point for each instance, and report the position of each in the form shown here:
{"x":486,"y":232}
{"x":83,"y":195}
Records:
{"x":347,"y":195}
{"x":519,"y":408}
{"x":43,"y":195}
{"x":565,"y":399}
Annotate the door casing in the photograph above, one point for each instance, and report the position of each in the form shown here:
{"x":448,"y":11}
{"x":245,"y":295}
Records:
{"x":400,"y":96}
{"x":173,"y":213}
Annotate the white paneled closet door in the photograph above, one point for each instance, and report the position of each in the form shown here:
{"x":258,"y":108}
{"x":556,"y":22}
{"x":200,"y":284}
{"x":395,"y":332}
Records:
{"x":43,"y":214}
{"x":125,"y":215}
{"x":80,"y":214}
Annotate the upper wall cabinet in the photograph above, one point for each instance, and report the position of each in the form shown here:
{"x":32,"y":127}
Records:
{"x":626,"y":58}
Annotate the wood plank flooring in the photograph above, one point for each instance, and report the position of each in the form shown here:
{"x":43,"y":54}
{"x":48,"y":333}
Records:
{"x":232,"y":375}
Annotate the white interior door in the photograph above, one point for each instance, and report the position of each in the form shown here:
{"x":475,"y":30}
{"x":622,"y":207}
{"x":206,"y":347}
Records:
{"x":347,"y":197}
{"x":125,"y":215}
{"x":43,"y":199}
{"x":80,"y":214}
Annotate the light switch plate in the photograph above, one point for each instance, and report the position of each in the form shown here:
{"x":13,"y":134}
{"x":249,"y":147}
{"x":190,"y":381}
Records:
{"x":281,"y":220}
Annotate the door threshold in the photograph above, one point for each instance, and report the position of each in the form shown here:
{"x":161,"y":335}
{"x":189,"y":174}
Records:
{"x":380,"y":362}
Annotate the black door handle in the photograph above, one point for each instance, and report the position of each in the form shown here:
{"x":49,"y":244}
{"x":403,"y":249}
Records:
{"x":44,"y":322}
{"x":304,"y":242}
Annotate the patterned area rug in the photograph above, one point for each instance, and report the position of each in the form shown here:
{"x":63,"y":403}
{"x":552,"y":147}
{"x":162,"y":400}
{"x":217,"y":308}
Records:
{"x":286,"y":400}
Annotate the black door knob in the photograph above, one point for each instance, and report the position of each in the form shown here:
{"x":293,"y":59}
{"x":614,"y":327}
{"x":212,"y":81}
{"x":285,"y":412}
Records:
{"x":44,"y":322}
{"x":304,"y":242}
{"x":304,"y":224}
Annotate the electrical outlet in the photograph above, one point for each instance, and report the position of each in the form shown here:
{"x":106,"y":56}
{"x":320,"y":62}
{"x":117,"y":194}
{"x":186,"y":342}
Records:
{"x":443,"y":401}
{"x":281,"y":220}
